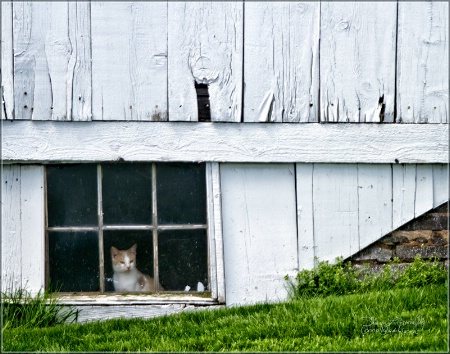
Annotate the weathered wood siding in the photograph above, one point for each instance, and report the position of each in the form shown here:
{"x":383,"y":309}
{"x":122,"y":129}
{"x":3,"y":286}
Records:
{"x":23,"y":219}
{"x":276,"y":218}
{"x":205,"y":47}
{"x":262,"y":61}
{"x":320,"y":210}
{"x":422,"y":65}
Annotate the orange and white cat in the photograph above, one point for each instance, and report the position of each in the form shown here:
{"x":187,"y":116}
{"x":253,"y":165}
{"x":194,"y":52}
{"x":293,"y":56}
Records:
{"x":127,"y":278}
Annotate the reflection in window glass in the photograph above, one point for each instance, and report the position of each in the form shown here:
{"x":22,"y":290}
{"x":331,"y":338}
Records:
{"x":181,"y":193}
{"x":183,"y":259}
{"x":72,"y":195}
{"x":123,"y":240}
{"x":74,"y":260}
{"x":127,"y":194}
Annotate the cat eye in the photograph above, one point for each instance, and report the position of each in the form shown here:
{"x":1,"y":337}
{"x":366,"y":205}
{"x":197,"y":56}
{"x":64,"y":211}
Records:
{"x":162,"y":207}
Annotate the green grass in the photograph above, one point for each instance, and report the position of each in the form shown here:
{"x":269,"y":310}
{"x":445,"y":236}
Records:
{"x":332,"y":308}
{"x":401,"y":319}
{"x":21,"y":309}
{"x":342,"y":278}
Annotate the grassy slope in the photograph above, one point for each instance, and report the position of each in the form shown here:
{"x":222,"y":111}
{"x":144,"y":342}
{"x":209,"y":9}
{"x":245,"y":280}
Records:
{"x":334,"y":323}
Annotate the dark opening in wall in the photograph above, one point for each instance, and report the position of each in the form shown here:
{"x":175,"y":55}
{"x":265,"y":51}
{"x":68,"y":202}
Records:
{"x":204,"y":112}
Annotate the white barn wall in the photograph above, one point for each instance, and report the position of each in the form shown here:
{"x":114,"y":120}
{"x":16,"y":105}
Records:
{"x":129,"y":60}
{"x":23,"y":219}
{"x":259,"y":231}
{"x":281,"y":61}
{"x":205,"y":46}
{"x":357,"y":61}
{"x":422,"y":65}
{"x":7,"y":60}
{"x":275,"y":219}
{"x":83,"y":61}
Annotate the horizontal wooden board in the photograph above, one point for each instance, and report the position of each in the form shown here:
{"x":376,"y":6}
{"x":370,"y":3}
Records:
{"x":35,"y":142}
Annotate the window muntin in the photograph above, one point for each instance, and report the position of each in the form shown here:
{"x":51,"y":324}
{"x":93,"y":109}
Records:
{"x":128,"y":200}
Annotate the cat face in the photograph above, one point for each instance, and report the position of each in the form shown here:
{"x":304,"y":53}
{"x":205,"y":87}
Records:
{"x":123,"y":261}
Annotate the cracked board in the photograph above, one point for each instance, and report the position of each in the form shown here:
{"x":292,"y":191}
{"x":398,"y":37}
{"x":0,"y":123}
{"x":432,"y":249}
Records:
{"x":422,"y":66}
{"x":281,"y":61}
{"x":129,"y":61}
{"x":357,"y":61}
{"x":205,"y":47}
{"x":51,"y":60}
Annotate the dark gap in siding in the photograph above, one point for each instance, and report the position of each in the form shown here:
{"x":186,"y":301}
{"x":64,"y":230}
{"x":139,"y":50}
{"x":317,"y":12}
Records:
{"x":204,"y":112}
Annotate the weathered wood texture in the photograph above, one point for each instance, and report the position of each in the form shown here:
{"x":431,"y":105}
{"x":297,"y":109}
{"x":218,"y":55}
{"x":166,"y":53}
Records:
{"x":344,"y":208}
{"x":275,"y":219}
{"x":422,"y":65}
{"x":51,"y":60}
{"x":129,"y":60}
{"x":377,"y":61}
{"x":281,"y":61}
{"x":169,"y":141}
{"x":205,"y":46}
{"x":22,"y":227}
{"x":357,"y":61}
{"x":259,"y":231}
{"x":7,"y":68}
{"x":215,"y":239}
{"x":96,"y":313}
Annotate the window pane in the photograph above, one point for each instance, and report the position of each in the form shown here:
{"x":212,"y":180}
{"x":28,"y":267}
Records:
{"x":74,"y":261}
{"x":183,"y":259}
{"x":181,"y":193}
{"x":127,"y":194}
{"x":123,"y":240}
{"x":72,"y":195}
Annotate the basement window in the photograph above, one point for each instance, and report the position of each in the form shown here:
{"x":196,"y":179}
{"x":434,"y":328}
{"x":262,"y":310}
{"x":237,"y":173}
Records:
{"x":159,"y":207}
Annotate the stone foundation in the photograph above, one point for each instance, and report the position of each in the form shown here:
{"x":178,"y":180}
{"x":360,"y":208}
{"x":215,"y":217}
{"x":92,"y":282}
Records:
{"x":426,"y":236}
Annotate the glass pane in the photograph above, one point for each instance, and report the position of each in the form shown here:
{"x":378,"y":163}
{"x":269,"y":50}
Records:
{"x":183,"y":259}
{"x":123,"y":240}
{"x":181,"y":193}
{"x":127,"y":194}
{"x":72,"y":195}
{"x":74,"y":261}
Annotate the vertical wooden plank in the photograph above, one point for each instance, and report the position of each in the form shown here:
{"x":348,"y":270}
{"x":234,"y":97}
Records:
{"x":305,"y":215}
{"x":259,"y":231}
{"x":335,"y":199}
{"x":215,"y":232}
{"x":440,"y":184}
{"x":33,"y":228}
{"x":424,"y":189}
{"x":79,"y":85}
{"x":281,"y":58}
{"x":7,"y":61}
{"x":11,"y":229}
{"x":422,"y":94}
{"x":129,"y":60}
{"x":375,"y":202}
{"x":403,"y":194}
{"x":357,"y":61}
{"x":205,"y":46}
{"x":42,"y":50}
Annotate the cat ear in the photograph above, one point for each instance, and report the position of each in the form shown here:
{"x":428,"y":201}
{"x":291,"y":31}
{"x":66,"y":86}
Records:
{"x":114,"y":251}
{"x":133,"y":248}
